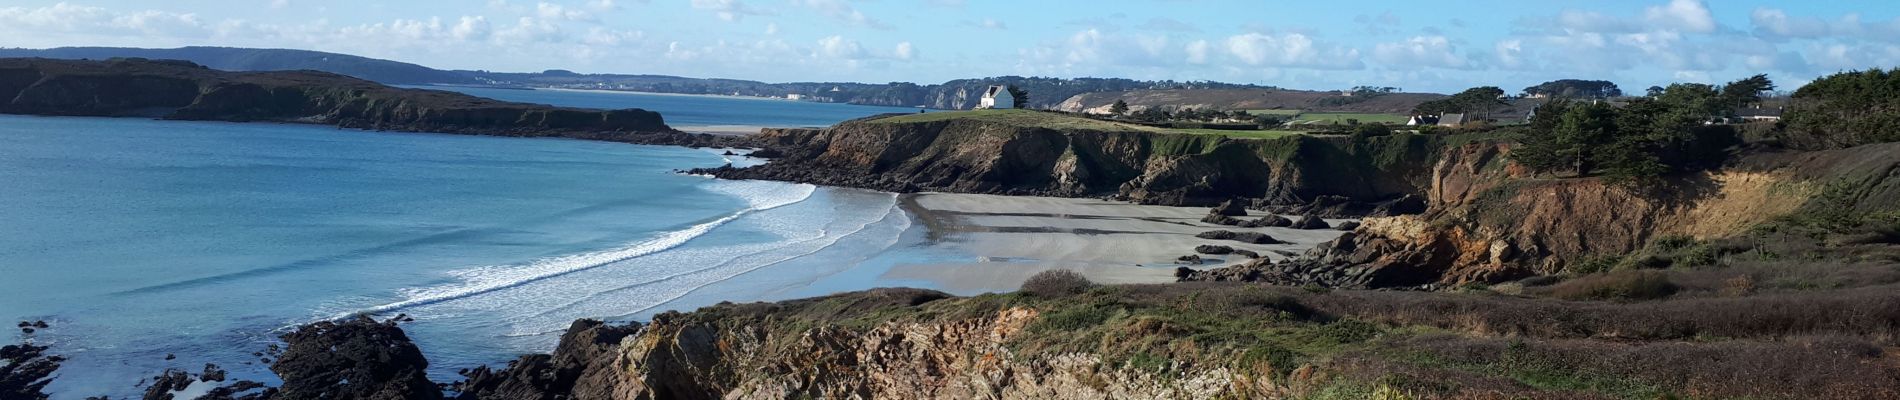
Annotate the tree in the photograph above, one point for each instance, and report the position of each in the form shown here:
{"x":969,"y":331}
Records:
{"x":1475,"y":100}
{"x":1120,"y":107}
{"x":1633,"y":144}
{"x":1655,"y":91}
{"x":1747,"y":91}
{"x":1576,"y":88}
{"x":1021,"y":96}
{"x":1844,"y":110}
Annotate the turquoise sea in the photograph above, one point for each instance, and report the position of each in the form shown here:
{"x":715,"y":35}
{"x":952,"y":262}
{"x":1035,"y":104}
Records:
{"x":138,"y":239}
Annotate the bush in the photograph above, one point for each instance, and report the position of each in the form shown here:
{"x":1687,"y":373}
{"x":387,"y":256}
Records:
{"x":1622,"y":285}
{"x":1056,"y":283}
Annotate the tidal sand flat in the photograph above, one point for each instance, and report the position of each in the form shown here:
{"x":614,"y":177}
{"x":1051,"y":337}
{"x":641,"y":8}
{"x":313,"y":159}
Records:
{"x":1108,"y":241}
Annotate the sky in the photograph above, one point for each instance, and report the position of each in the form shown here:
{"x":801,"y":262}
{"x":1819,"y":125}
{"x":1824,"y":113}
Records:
{"x":1415,"y":45}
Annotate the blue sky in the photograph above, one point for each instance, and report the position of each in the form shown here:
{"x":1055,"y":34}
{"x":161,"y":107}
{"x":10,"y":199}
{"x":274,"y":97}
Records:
{"x":1419,"y":46}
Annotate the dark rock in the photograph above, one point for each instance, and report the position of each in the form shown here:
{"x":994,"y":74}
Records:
{"x":1406,"y":205}
{"x":1246,"y":253}
{"x":1189,"y":259}
{"x":766,"y":153}
{"x":41,"y":324}
{"x":26,"y":330}
{"x":165,"y":383}
{"x":1311,"y":222}
{"x":1213,"y":249}
{"x":353,"y":359}
{"x":25,"y":370}
{"x":1348,"y":226}
{"x":1231,"y":208}
{"x":1256,"y":238}
{"x":582,"y":367}
{"x":728,"y":153}
{"x":169,"y":356}
{"x":24,"y":324}
{"x":1268,"y":221}
{"x":1216,"y":235}
{"x":1218,"y":219}
{"x":212,"y":373}
{"x":1183,"y":272}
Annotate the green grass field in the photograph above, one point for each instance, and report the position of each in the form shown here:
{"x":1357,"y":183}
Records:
{"x":1340,"y":118}
{"x":1068,"y":122}
{"x":1273,"y":112}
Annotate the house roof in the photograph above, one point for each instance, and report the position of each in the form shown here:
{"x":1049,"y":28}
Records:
{"x":994,"y":91}
{"x":1758,"y":112}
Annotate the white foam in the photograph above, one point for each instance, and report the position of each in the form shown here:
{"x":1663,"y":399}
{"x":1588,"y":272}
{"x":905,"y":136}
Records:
{"x":760,"y":196}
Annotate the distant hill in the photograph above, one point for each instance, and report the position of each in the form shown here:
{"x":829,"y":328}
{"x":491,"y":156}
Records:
{"x":242,"y":59}
{"x":1250,"y":99}
{"x":961,"y":94}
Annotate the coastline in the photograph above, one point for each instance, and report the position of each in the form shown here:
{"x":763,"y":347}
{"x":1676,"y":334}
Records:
{"x":1015,"y":237}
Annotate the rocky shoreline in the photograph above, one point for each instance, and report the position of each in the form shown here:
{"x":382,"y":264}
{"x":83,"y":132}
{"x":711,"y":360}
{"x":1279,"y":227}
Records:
{"x":185,"y":91}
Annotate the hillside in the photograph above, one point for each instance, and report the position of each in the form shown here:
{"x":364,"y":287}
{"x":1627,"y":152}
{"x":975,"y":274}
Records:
{"x":243,"y":59}
{"x":1248,"y":99}
{"x":1039,"y":153}
{"x":182,"y":90}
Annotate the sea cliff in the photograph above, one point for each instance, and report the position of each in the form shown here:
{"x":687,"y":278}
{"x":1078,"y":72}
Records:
{"x":186,"y":91}
{"x":1017,"y":152}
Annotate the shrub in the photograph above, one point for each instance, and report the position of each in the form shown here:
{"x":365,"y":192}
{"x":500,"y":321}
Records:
{"x":1056,"y":283}
{"x":1621,"y":285}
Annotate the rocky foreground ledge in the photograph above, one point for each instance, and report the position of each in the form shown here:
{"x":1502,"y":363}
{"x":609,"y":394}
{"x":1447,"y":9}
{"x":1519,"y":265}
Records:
{"x":1064,"y":338}
{"x":185,"y":91}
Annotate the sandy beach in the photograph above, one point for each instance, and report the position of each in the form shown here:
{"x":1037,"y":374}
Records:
{"x":1014,"y":238}
{"x":723,"y":130}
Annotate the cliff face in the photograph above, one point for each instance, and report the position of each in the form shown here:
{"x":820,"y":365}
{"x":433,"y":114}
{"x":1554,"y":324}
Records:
{"x":1489,"y":222}
{"x":982,"y":156}
{"x":181,"y":90}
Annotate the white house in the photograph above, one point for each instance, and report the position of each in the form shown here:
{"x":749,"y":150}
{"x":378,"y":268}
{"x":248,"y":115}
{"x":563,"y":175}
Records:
{"x":997,"y":97}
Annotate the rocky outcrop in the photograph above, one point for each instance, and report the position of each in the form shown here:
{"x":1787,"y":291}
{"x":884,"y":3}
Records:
{"x":26,"y":371}
{"x":181,"y":90}
{"x":353,"y":359}
{"x":974,"y":155}
{"x":581,"y":367}
{"x":1490,"y":222}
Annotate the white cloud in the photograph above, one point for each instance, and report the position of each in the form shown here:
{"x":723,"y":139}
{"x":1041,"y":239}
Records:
{"x":1291,"y":50}
{"x":905,"y":51}
{"x":1197,"y":51}
{"x":1424,"y":51}
{"x":842,"y":11}
{"x":837,"y":47}
{"x":1685,"y":15}
{"x":729,"y":10}
{"x":556,"y":11}
{"x":471,"y":28}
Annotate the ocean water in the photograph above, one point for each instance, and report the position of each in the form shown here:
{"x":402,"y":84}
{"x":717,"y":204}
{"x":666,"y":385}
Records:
{"x":683,"y":111}
{"x":137,"y":239}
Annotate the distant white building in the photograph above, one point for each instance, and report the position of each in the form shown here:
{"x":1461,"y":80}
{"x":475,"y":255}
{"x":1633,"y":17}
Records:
{"x":997,"y":97}
{"x":794,"y":96}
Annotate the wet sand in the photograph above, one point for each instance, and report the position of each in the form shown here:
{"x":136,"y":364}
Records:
{"x":1014,"y":238}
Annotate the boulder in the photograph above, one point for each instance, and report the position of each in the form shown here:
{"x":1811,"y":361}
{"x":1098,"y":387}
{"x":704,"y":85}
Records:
{"x":1255,"y":238}
{"x":1213,"y":249}
{"x":1311,"y":222}
{"x":353,"y":359}
{"x":1189,"y":259}
{"x":1231,"y":208}
{"x":1269,"y":221}
{"x":1217,"y":235}
{"x":1218,"y":219}
{"x":1348,"y":226}
{"x":1244,"y":253}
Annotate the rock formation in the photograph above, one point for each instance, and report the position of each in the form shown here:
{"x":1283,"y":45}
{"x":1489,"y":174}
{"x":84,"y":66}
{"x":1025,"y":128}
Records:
{"x":972,"y":155}
{"x":186,"y":91}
